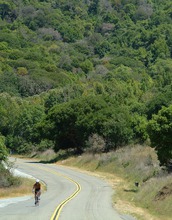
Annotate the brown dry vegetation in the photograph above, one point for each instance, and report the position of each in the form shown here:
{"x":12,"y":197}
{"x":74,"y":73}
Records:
{"x":14,"y":186}
{"x":25,"y":188}
{"x":151,"y":200}
{"x":164,"y":193}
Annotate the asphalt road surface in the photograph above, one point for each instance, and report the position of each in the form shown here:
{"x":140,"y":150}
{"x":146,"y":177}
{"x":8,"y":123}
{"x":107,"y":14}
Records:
{"x":70,"y":195}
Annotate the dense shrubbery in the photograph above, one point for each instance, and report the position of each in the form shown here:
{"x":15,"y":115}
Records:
{"x":160,"y":130}
{"x":71,"y":70}
{"x":80,"y":118}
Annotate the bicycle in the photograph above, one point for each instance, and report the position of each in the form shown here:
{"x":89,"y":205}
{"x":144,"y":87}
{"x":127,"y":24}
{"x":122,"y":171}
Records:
{"x":37,"y":198}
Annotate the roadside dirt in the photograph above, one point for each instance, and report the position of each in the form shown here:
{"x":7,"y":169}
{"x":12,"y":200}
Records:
{"x":164,"y":192}
{"x":123,"y":207}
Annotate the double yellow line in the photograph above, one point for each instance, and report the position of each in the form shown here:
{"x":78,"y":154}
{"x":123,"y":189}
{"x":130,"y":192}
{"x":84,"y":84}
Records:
{"x":57,"y":211}
{"x":59,"y":208}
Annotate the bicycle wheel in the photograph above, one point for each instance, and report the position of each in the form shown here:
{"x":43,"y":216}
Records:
{"x":36,"y":200}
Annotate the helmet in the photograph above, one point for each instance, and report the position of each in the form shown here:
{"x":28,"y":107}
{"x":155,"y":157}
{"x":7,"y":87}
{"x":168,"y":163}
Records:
{"x":37,"y":181}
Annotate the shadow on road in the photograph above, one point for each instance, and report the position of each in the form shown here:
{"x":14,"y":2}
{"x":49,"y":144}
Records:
{"x":59,"y":157}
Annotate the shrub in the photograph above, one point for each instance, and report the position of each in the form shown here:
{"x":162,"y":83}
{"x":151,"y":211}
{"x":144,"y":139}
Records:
{"x":95,"y":144}
{"x":7,"y":179}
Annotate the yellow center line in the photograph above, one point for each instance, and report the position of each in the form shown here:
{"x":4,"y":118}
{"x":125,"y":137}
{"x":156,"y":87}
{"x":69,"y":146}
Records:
{"x":59,"y":208}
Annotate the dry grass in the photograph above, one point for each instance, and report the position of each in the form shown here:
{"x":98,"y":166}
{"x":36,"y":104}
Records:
{"x":46,"y":155}
{"x":122,"y":169}
{"x":157,"y":195}
{"x":24,"y":189}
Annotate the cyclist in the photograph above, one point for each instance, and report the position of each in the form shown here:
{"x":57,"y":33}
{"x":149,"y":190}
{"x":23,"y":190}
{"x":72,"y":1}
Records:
{"x":37,"y":190}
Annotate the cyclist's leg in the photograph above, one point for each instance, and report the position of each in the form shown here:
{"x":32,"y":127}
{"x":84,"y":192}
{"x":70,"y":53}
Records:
{"x":35,"y":197}
{"x":39,"y":194}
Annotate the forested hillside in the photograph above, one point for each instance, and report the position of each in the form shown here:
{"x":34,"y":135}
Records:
{"x":74,"y":72}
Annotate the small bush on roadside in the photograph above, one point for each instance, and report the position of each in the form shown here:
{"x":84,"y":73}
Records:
{"x":95,"y":144}
{"x":140,"y":163}
{"x":7,"y":179}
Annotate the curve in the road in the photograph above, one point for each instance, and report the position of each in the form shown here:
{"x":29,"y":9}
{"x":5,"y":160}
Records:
{"x":59,"y":208}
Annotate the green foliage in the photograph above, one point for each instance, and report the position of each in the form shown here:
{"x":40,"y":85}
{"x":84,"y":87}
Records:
{"x":102,"y":48}
{"x":9,"y":111}
{"x":9,"y":83}
{"x":7,"y":179}
{"x":161,"y":72}
{"x":99,"y":67}
{"x":160,"y":131}
{"x":72,"y":32}
{"x":3,"y":149}
{"x":117,"y":129}
{"x":134,"y":34}
{"x":11,"y":39}
{"x":25,"y":132}
{"x":86,"y":66}
{"x":18,"y":122}
{"x":70,"y":124}
{"x":159,"y":100}
{"x":140,"y":128}
{"x":61,"y":95}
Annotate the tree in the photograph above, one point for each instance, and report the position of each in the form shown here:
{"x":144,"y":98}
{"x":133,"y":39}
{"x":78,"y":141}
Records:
{"x":102,"y":48}
{"x":159,"y":100}
{"x":3,"y":149}
{"x":70,"y":124}
{"x":29,"y":116}
{"x":22,"y":71}
{"x":9,"y":83}
{"x":116,"y":127}
{"x":71,"y":31}
{"x":9,"y":113}
{"x":160,"y":49}
{"x":161,"y":72}
{"x":160,"y":133}
{"x":94,"y":7}
{"x":139,"y":128}
{"x":87,"y":66}
{"x":25,"y":135}
{"x":4,"y":10}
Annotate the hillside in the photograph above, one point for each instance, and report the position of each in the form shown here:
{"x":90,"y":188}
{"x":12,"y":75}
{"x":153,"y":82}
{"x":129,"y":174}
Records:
{"x":49,"y":44}
{"x":89,"y":76}
{"x":112,"y":58}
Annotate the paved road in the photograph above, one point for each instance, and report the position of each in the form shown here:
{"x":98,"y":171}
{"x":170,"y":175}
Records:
{"x":70,"y":195}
